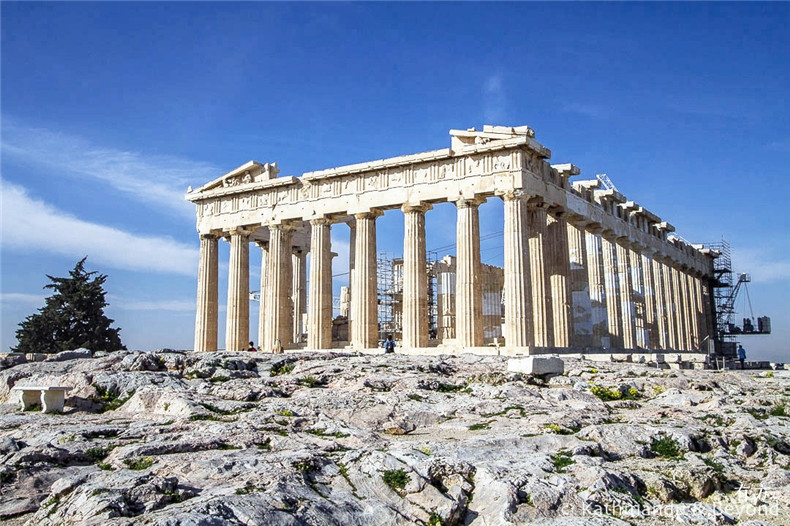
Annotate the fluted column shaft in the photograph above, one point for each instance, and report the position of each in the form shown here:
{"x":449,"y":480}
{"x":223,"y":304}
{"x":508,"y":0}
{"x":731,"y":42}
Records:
{"x":541,"y":285}
{"x":707,"y":310}
{"x":611,"y":279}
{"x":415,"y":277}
{"x":681,"y":319}
{"x":263,"y":293}
{"x":278,"y":320}
{"x":468,"y":294}
{"x":319,"y":317}
{"x":299,"y":292}
{"x":661,"y":304}
{"x":595,"y":274}
{"x":626,"y":294}
{"x":352,"y":261}
{"x":641,"y":336}
{"x":206,"y":322}
{"x":559,"y":277}
{"x":518,"y":290}
{"x":237,"y":325}
{"x":651,"y":308}
{"x":580,"y":286}
{"x":671,"y":307}
{"x":364,"y":299}
{"x":690,"y":311}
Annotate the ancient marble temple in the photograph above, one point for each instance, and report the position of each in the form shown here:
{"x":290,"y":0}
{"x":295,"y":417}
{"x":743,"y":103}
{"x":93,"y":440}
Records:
{"x":585,"y":268}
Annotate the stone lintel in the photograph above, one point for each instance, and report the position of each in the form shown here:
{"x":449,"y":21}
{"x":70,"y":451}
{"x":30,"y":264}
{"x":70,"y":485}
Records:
{"x":609,"y":195}
{"x":591,"y":184}
{"x":665,"y":227}
{"x":567,"y":169}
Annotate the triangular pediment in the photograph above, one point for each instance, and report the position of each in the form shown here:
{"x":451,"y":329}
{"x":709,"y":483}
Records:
{"x":246,"y":174}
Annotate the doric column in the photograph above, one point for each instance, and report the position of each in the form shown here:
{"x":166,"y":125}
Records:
{"x":707,"y":307}
{"x":651,"y":308}
{"x":681,"y":317}
{"x":688,"y":314}
{"x":541,"y":286}
{"x":264,"y":245}
{"x":559,"y":278}
{"x":659,"y":291}
{"x":580,"y":284}
{"x":468,"y":293}
{"x":695,"y":311}
{"x":364,"y":299}
{"x":415,"y":277}
{"x":237,"y":325}
{"x":206,"y":322}
{"x":626,"y":293}
{"x":669,"y":304}
{"x":352,"y":260}
{"x":517,"y":290}
{"x":641,"y":336}
{"x":278,"y":325}
{"x":319,"y":319}
{"x":298,"y":292}
{"x":613,"y":305}
{"x":596,"y":276}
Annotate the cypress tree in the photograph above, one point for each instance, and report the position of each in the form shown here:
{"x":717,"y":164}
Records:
{"x":72,"y":317}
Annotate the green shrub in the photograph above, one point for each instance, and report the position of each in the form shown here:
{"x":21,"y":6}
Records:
{"x":282,"y":368}
{"x":562,"y":460}
{"x":311,"y":382}
{"x":139,"y":464}
{"x":608,"y":394}
{"x":780,"y":410}
{"x":666,"y":447}
{"x":395,"y":479}
{"x":97,"y":454}
{"x":479,"y":427}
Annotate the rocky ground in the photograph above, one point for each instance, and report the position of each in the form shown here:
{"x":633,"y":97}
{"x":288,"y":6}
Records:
{"x":172,"y":438}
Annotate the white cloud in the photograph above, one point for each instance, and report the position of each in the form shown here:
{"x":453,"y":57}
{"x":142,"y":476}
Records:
{"x":19,"y":298}
{"x":33,"y":225}
{"x":761,"y":264}
{"x":159,"y":181}
{"x":494,"y":104}
{"x":162,"y":305}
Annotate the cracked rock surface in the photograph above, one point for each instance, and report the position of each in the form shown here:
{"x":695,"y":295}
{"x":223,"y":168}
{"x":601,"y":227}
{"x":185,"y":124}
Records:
{"x":178,"y":438}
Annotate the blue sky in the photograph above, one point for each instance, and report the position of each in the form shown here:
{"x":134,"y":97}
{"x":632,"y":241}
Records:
{"x":110,"y":110}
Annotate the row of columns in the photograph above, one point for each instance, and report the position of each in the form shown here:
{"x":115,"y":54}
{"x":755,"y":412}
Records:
{"x":567,"y":283}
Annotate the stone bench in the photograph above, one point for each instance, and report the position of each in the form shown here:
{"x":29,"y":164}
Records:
{"x":51,"y":398}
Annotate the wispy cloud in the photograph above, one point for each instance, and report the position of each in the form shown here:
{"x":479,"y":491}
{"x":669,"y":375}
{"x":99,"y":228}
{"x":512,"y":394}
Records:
{"x":18,"y":298}
{"x":494,"y":101}
{"x":762,"y":265}
{"x":593,"y":111}
{"x":158,"y":180}
{"x":153,"y":305}
{"x":29,"y":224}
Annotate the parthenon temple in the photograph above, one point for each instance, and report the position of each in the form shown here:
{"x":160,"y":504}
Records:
{"x":584,"y":267}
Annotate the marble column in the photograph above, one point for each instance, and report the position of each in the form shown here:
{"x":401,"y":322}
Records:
{"x":707,"y":307}
{"x":659,"y":290}
{"x":681,"y":316}
{"x":596,"y":276}
{"x":611,"y":279}
{"x":517,"y":289}
{"x":651,"y":308}
{"x":695,"y":295}
{"x":641,"y":336}
{"x":624,"y":276}
{"x":352,"y":260}
{"x":541,"y":285}
{"x":319,"y":319}
{"x":669,"y":304}
{"x":237,"y":325}
{"x":580,"y":285}
{"x":468,"y":294}
{"x":559,"y":278}
{"x":415,"y":277}
{"x":278,"y":328}
{"x":206,"y":322}
{"x":264,"y":245}
{"x":690,"y":308}
{"x":298,"y":292}
{"x":364,"y":294}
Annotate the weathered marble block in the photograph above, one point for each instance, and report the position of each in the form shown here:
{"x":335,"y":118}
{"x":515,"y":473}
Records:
{"x":537,"y":365}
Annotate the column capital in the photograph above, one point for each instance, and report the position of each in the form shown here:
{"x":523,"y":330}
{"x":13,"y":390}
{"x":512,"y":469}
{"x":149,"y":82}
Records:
{"x":238,"y":231}
{"x":263,"y":244}
{"x":320,"y":221}
{"x":537,"y":203}
{"x":473,"y":202}
{"x":418,"y":207}
{"x":515,"y":195}
{"x":210,"y":236}
{"x":372,"y":214}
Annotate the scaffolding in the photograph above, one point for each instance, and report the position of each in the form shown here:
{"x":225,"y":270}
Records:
{"x":389,"y":272}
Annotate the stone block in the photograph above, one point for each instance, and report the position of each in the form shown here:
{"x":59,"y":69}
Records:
{"x":536,"y":365}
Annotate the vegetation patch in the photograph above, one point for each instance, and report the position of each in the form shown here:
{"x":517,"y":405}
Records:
{"x":607,"y":394}
{"x":139,"y":463}
{"x":282,"y":368}
{"x":97,"y":454}
{"x":415,"y":397}
{"x":396,"y":479}
{"x":204,"y":417}
{"x":218,"y":379}
{"x":562,"y":460}
{"x":323,"y":433}
{"x":780,"y":410}
{"x":450,"y":388}
{"x":666,"y":447}
{"x":554,"y":428}
{"x":311,"y":382}
{"x":479,"y":426}
{"x":109,"y":400}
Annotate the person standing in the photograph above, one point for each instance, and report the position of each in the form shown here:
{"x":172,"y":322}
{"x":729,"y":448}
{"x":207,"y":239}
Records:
{"x":741,"y":355}
{"x":389,"y":345}
{"x":252,"y":348}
